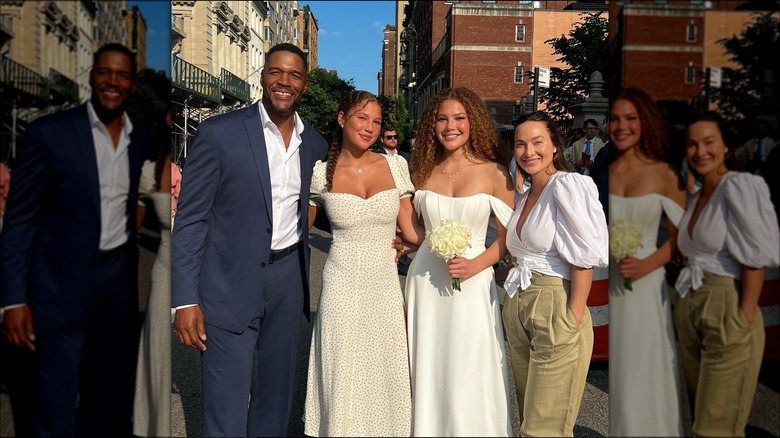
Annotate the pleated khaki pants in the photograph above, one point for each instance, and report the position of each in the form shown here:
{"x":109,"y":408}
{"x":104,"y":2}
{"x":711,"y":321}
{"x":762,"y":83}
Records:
{"x":550,"y":354}
{"x":720,"y":354}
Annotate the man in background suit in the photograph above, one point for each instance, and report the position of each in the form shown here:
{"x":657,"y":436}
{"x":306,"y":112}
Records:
{"x":585,"y":149}
{"x":241,"y":270}
{"x":754,"y":152}
{"x":389,"y":140}
{"x":68,"y":260}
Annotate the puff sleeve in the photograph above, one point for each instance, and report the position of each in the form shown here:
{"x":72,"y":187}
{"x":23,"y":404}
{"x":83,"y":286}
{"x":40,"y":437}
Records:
{"x":317,"y":188}
{"x":400,"y":171}
{"x":751,"y":224}
{"x":580,"y":225}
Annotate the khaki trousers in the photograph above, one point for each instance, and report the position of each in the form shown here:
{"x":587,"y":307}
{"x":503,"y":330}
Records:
{"x":550,"y":354}
{"x":720,"y":354}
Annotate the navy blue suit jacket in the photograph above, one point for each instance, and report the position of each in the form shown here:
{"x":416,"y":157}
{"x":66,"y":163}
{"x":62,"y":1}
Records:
{"x":51,"y":231}
{"x":224,"y":218}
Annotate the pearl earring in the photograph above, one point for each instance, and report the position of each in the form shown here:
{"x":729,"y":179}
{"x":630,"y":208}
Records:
{"x":555,"y":150}
{"x":726,"y":151}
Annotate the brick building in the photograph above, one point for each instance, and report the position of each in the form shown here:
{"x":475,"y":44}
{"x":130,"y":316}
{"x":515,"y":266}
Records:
{"x":488,"y":46}
{"x":665,"y":47}
{"x":388,"y":74}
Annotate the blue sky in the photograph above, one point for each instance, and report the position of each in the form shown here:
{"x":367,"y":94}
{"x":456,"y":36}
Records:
{"x":158,"y":33}
{"x":350,"y":37}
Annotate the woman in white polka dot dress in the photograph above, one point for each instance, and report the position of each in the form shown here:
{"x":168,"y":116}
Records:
{"x":358,"y":380}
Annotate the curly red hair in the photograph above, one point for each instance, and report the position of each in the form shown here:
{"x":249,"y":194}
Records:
{"x":483,"y":145}
{"x":654,"y":137}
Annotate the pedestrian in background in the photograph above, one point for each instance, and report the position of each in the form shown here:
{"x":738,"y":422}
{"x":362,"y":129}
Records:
{"x":584,"y":150}
{"x":68,"y":255}
{"x":5,"y":186}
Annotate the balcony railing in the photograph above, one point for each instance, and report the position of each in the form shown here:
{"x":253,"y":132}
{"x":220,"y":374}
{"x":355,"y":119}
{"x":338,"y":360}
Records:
{"x":23,"y":80}
{"x":192,"y":79}
{"x":62,"y":87}
{"x":234,"y":86}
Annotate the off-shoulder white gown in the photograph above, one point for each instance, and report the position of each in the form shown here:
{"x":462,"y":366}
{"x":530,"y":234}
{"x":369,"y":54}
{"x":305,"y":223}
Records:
{"x":456,"y":338}
{"x":644,"y":384}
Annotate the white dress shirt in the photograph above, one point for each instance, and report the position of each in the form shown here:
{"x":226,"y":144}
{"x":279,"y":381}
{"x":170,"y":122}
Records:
{"x":113,"y":168}
{"x":284,"y":165}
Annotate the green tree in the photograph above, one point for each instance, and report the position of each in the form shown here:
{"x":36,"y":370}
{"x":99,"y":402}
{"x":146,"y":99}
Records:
{"x":149,"y":103}
{"x":741,"y":87}
{"x":399,"y":118}
{"x":584,"y":51}
{"x":320,"y":103}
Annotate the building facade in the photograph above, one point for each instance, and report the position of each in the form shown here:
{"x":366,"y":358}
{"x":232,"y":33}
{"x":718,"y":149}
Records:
{"x":670,"y":64}
{"x":490,"y":47}
{"x":47,"y":50}
{"x":218,"y":51}
{"x":388,"y":74}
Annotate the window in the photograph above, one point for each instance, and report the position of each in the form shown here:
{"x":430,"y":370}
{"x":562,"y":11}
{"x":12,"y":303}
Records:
{"x":489,"y":1}
{"x":690,"y":73}
{"x":691,"y":32}
{"x":297,"y":35}
{"x":520,"y":32}
{"x":519,"y":74}
{"x":517,"y":110}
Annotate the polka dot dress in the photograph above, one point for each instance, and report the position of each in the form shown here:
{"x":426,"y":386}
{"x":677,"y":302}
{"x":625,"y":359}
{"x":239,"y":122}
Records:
{"x":358,"y":379}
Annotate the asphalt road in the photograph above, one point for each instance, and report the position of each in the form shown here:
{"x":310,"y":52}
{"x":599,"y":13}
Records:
{"x":592,"y":420}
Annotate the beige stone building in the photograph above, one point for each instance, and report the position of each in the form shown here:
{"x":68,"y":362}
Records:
{"x":47,"y":49}
{"x":305,"y":34}
{"x":218,"y":51}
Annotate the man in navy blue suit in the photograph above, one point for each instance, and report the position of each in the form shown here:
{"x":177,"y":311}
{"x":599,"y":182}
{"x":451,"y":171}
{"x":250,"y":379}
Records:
{"x":240,"y":252}
{"x":68,"y":260}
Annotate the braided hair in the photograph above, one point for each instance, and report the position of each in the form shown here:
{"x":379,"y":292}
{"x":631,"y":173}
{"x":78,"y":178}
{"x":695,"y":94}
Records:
{"x":350,"y":101}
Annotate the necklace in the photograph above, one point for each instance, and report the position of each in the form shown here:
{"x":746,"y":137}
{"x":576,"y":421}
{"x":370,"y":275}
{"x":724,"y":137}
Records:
{"x":360,"y":170}
{"x":450,"y":175}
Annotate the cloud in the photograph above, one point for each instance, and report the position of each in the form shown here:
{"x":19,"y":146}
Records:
{"x":378,"y":24}
{"x":324,"y":32}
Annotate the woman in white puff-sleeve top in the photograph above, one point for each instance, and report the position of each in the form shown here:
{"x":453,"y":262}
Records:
{"x":556,"y":235}
{"x":728,"y":234}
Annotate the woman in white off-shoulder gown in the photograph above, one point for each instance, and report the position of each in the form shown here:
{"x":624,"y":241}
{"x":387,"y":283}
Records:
{"x":727,"y":235}
{"x":456,"y":340}
{"x":358,"y":379}
{"x":556,"y":235}
{"x":644,"y":384}
{"x":152,"y":404}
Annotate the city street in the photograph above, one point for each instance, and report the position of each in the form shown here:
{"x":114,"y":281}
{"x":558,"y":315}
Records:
{"x":592,"y":420}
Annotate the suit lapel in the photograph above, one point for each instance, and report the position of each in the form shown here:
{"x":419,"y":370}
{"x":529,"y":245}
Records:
{"x":254,"y":129}
{"x":86,"y":145}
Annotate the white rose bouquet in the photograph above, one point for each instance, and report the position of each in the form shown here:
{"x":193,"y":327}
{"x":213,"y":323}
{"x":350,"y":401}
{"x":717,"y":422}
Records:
{"x":449,"y":239}
{"x":624,"y":239}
